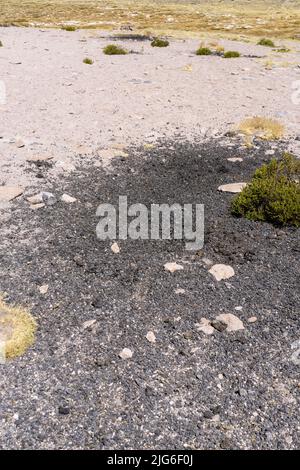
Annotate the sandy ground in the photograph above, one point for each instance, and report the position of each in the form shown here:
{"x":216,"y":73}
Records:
{"x":60,"y":107}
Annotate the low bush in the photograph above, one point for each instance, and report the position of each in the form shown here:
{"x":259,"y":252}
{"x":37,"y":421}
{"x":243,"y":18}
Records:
{"x":88,"y":61}
{"x":157,"y":42}
{"x":266,"y":42}
{"x":231,"y":54}
{"x":113,"y":49}
{"x":203,"y":51}
{"x":69,"y":28}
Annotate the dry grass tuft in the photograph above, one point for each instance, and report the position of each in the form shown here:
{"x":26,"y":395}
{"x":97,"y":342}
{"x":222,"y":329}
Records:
{"x":17,"y":329}
{"x":264,"y":128}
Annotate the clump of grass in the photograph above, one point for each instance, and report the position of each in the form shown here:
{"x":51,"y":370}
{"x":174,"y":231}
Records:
{"x":265,"y":128}
{"x":203,"y":51}
{"x":113,"y":49}
{"x":68,"y":28}
{"x":283,"y":50}
{"x":231,"y":54}
{"x":1,"y":44}
{"x":273,"y":194}
{"x":17,"y":329}
{"x":88,"y":61}
{"x":266,"y":42}
{"x":157,"y":42}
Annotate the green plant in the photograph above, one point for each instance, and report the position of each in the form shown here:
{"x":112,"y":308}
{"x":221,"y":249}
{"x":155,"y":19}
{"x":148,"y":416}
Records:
{"x":283,"y":49}
{"x":157,"y":42}
{"x":203,"y":51}
{"x":88,"y":61}
{"x":112,"y":49}
{"x":231,"y":54}
{"x":1,"y":44}
{"x":68,"y":28}
{"x":266,"y":42}
{"x":273,"y":195}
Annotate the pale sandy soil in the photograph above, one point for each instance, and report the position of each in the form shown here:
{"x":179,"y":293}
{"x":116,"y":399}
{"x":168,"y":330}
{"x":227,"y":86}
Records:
{"x":60,"y":107}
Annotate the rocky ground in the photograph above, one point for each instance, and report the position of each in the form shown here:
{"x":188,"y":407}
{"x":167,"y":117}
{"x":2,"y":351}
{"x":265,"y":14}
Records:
{"x":128,"y":354}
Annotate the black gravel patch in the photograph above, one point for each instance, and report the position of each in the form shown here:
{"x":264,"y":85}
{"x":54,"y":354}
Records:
{"x":187,"y":390}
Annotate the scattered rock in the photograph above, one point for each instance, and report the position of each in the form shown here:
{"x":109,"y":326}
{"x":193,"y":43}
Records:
{"x":68,"y":199}
{"x":88,"y":324}
{"x":126,"y":354}
{"x":42,"y":198}
{"x":221,"y":271}
{"x":44,"y":289}
{"x":35,"y":207}
{"x":219,"y":325}
{"x":65,"y":166}
{"x":235,"y":159}
{"x":205,"y":326}
{"x":39,"y":158}
{"x":8,"y":193}
{"x":270,"y":152}
{"x":252,"y":320}
{"x":19,"y":143}
{"x":179,"y":291}
{"x":151,"y":337}
{"x":232,"y":187}
{"x":232,"y":322}
{"x":115,"y":248}
{"x":63,"y":410}
{"x":172,"y":267}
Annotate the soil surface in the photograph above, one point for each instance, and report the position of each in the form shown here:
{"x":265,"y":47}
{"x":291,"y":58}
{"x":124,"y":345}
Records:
{"x":187,"y":389}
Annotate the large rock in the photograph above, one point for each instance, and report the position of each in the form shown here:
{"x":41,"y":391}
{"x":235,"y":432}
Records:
{"x":8,"y":193}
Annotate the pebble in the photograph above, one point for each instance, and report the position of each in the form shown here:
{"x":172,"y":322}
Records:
{"x":232,"y":322}
{"x":270,"y":152}
{"x":88,"y":324}
{"x":115,"y":248}
{"x":232,"y":187}
{"x":151,"y":337}
{"x":172,"y":267}
{"x":44,"y":289}
{"x":39,"y":158}
{"x":221,"y":271}
{"x":42,"y":198}
{"x":235,"y":159}
{"x":126,"y":354}
{"x":205,"y":326}
{"x":179,"y":291}
{"x":252,"y":319}
{"x":68,"y":199}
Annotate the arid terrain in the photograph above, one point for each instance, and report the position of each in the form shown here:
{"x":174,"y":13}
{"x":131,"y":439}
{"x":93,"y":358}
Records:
{"x":129,"y":350}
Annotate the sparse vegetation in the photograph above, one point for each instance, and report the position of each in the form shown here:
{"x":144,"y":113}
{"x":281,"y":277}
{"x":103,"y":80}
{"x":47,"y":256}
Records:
{"x":283,"y":50}
{"x":113,"y":49}
{"x":273,"y":195}
{"x":88,"y":61}
{"x":203,"y":51}
{"x":231,"y":54}
{"x":266,"y":42}
{"x":17,"y":329}
{"x":69,"y":28}
{"x":1,"y":44}
{"x":157,"y":42}
{"x":264,"y":128}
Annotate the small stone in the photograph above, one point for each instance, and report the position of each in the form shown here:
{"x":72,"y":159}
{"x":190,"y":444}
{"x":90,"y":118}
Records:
{"x":252,"y":319}
{"x":232,"y":187}
{"x":172,"y":267}
{"x":232,"y":322}
{"x":205,"y":326}
{"x":35,"y":207}
{"x":8,"y":193}
{"x":115,"y":248}
{"x":44,"y":289}
{"x":208,"y":414}
{"x":151,"y":337}
{"x":19,"y":143}
{"x":42,"y":198}
{"x":270,"y":152}
{"x":207,"y":261}
{"x":221,"y":271}
{"x":238,"y":308}
{"x":179,"y":291}
{"x":63,"y":410}
{"x":88,"y":324}
{"x":68,"y":199}
{"x":39,"y":158}
{"x":219,"y":326}
{"x":235,"y":159}
{"x":126,"y":354}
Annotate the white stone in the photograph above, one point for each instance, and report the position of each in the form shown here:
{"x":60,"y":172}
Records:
{"x":221,"y":271}
{"x":172,"y":267}
{"x":151,"y":337}
{"x":233,"y":323}
{"x":44,"y":289}
{"x":126,"y":354}
{"x":205,"y":326}
{"x":235,"y":159}
{"x":252,"y":319}
{"x":232,"y":187}
{"x":68,"y":199}
{"x":179,"y":291}
{"x":115,"y":248}
{"x":88,"y":324}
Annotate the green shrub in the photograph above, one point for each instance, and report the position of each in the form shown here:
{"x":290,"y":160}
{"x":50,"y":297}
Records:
{"x":112,"y":49}
{"x":1,"y":44}
{"x":203,"y":51}
{"x":69,"y":28}
{"x":266,"y":42}
{"x":157,"y":42}
{"x":231,"y":54}
{"x":283,"y":49}
{"x":273,"y":195}
{"x":88,"y":61}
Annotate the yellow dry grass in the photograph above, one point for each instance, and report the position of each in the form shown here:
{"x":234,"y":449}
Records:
{"x":177,"y":17}
{"x":265,"y":128}
{"x":17,"y":329}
